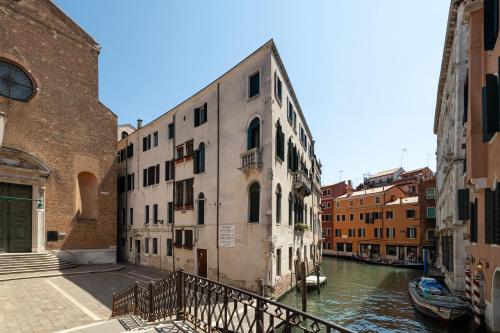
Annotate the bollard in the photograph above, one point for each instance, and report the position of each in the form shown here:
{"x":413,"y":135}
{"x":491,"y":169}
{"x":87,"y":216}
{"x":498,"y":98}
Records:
{"x":477,"y":301}
{"x":303,"y":286}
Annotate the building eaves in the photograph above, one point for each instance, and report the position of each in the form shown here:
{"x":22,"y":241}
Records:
{"x":445,"y":61}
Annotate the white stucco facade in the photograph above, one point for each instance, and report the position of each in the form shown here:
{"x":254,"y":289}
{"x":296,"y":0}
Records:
{"x":249,"y":258}
{"x":450,"y":159}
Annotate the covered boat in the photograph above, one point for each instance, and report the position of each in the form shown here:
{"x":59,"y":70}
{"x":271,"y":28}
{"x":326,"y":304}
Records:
{"x":432,"y":299}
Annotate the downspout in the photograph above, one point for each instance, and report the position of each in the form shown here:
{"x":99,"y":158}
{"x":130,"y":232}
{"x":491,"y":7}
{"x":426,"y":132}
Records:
{"x":218,"y":178}
{"x":173,"y":198}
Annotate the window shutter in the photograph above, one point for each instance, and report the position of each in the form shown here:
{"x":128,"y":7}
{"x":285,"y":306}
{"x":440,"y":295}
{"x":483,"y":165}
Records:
{"x":463,"y":204}
{"x":489,"y":198}
{"x":205,"y":113}
{"x":490,"y":107}
{"x":496,"y":239}
{"x":466,"y":98}
{"x":407,"y":232}
{"x":473,"y":221}
{"x":196,"y":117}
{"x":490,"y":17}
{"x":196,"y":167}
{"x":144,"y":144}
{"x":201,"y":211}
{"x":172,"y":169}
{"x":201,"y":160}
{"x":145,"y":177}
{"x":157,"y":174}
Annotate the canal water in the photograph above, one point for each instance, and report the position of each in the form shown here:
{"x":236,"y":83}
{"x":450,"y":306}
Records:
{"x":370,"y":298}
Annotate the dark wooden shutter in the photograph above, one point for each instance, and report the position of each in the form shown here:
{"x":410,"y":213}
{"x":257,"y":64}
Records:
{"x":196,"y":159}
{"x":144,"y":144}
{"x":489,"y":215}
{"x":196,"y":117}
{"x":490,"y":18}
{"x":473,"y":221}
{"x":490,"y":107}
{"x":466,"y":98}
{"x":201,"y":211}
{"x":157,"y":174}
{"x":145,"y":177}
{"x":170,"y":212}
{"x":463,"y":204}
{"x":496,"y":239}
{"x":201,"y":159}
{"x":205,"y":113}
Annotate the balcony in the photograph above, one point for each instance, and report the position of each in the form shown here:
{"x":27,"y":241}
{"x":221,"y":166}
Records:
{"x":301,"y":183}
{"x":251,"y":159}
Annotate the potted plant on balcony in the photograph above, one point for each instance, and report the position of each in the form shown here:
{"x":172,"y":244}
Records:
{"x":301,"y":227}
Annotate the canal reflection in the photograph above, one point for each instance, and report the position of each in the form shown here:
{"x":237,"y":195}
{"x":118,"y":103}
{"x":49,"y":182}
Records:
{"x":370,"y":298}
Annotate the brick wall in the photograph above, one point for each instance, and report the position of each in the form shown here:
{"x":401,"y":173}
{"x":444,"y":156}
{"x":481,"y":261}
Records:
{"x":64,"y":124}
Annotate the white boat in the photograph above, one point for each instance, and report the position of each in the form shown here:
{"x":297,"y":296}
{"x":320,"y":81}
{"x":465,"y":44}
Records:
{"x":430,"y":298}
{"x":312,"y":281}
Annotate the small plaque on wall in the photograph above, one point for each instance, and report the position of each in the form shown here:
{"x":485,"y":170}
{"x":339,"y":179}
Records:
{"x":52,"y":236}
{"x":226,"y":235}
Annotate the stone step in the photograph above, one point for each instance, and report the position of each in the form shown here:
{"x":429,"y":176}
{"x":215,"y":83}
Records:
{"x":13,"y":263}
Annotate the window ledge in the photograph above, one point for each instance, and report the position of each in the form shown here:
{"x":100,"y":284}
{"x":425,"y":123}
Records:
{"x":249,"y":99}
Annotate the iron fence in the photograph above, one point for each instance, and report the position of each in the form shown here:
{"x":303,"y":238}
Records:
{"x":214,"y":307}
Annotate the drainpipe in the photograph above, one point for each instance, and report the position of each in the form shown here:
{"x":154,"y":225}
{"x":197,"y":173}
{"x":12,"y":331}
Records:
{"x":173,"y":198}
{"x":3,"y":118}
{"x":218,"y":178}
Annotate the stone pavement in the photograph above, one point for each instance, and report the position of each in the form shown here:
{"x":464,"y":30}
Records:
{"x":48,"y":304}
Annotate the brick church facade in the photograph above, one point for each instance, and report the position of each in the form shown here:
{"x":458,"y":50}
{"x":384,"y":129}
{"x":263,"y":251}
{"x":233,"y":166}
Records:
{"x":57,"y":140}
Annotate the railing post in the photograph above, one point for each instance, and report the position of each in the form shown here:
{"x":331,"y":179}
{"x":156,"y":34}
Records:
{"x":136,"y":298}
{"x":151,"y":304}
{"x":225,"y":307}
{"x":113,"y":309}
{"x":180,"y":294}
{"x":209,"y":311}
{"x":259,"y":316}
{"x":288,"y":326}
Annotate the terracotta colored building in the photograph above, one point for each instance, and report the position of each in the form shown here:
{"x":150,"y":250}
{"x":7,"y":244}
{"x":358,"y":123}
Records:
{"x":328,"y":195}
{"x":478,"y":198}
{"x":57,"y":175}
{"x":381,"y":222}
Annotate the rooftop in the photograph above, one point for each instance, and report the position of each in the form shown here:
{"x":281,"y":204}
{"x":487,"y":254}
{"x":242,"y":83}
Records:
{"x":384,"y":173}
{"x":367,"y":191}
{"x":404,"y":201}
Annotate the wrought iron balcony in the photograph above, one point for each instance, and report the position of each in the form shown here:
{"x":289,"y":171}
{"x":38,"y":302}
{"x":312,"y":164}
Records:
{"x":251,"y":159}
{"x":301,"y":182}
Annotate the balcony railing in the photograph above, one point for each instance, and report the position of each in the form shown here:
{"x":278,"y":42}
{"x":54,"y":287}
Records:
{"x":210,"y":306}
{"x":301,"y":182}
{"x":251,"y":159}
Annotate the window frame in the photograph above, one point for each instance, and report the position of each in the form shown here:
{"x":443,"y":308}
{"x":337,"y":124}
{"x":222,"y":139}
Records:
{"x":28,"y":76}
{"x":253,"y":74}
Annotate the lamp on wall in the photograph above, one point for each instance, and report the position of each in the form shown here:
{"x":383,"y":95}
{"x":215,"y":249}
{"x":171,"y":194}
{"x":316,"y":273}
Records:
{"x":483,"y":263}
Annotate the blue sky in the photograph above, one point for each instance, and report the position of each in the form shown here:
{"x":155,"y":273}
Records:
{"x":365,"y":72}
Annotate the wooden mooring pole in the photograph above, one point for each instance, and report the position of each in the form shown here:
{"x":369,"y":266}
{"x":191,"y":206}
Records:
{"x":303,"y":286}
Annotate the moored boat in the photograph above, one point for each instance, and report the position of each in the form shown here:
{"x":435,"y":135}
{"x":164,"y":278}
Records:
{"x":432,"y":299}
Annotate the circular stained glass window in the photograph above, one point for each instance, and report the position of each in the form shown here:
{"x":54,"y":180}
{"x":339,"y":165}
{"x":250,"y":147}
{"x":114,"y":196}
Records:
{"x":14,"y":82}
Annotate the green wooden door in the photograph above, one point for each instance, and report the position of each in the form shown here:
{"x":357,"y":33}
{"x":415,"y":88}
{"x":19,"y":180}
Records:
{"x":15,"y":218}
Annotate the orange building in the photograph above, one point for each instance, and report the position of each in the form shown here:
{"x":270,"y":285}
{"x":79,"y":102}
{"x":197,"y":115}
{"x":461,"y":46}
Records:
{"x":380,"y":222}
{"x":328,"y":195}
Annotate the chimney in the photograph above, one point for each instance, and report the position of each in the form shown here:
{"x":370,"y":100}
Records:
{"x":348,"y":188}
{"x":139,"y":123}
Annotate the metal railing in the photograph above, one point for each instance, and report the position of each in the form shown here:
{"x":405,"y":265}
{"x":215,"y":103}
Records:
{"x":302,"y":182}
{"x":251,"y":159}
{"x":214,"y":307}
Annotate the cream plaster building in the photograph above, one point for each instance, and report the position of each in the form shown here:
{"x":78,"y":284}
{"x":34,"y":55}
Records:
{"x":223,"y":184}
{"x":449,"y":125}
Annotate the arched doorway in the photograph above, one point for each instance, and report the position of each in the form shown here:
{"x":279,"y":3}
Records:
{"x":495,"y":299}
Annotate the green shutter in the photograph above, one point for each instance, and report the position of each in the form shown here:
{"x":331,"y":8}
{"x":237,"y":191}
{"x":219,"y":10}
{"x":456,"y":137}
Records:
{"x":196,"y":158}
{"x":196,"y":117}
{"x":489,"y":198}
{"x":490,"y":24}
{"x":463,"y":204}
{"x":490,"y":107}
{"x":496,"y":239}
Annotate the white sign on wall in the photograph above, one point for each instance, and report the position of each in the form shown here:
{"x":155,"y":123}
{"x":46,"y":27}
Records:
{"x":226,"y":235}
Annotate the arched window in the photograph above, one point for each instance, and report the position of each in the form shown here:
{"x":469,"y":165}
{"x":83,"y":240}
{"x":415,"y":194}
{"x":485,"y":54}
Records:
{"x":278,"y":204}
{"x":253,"y":136}
{"x":290,"y":209}
{"x":254,"y":202}
{"x":15,"y":83}
{"x":201,"y":209}
{"x":87,"y":196}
